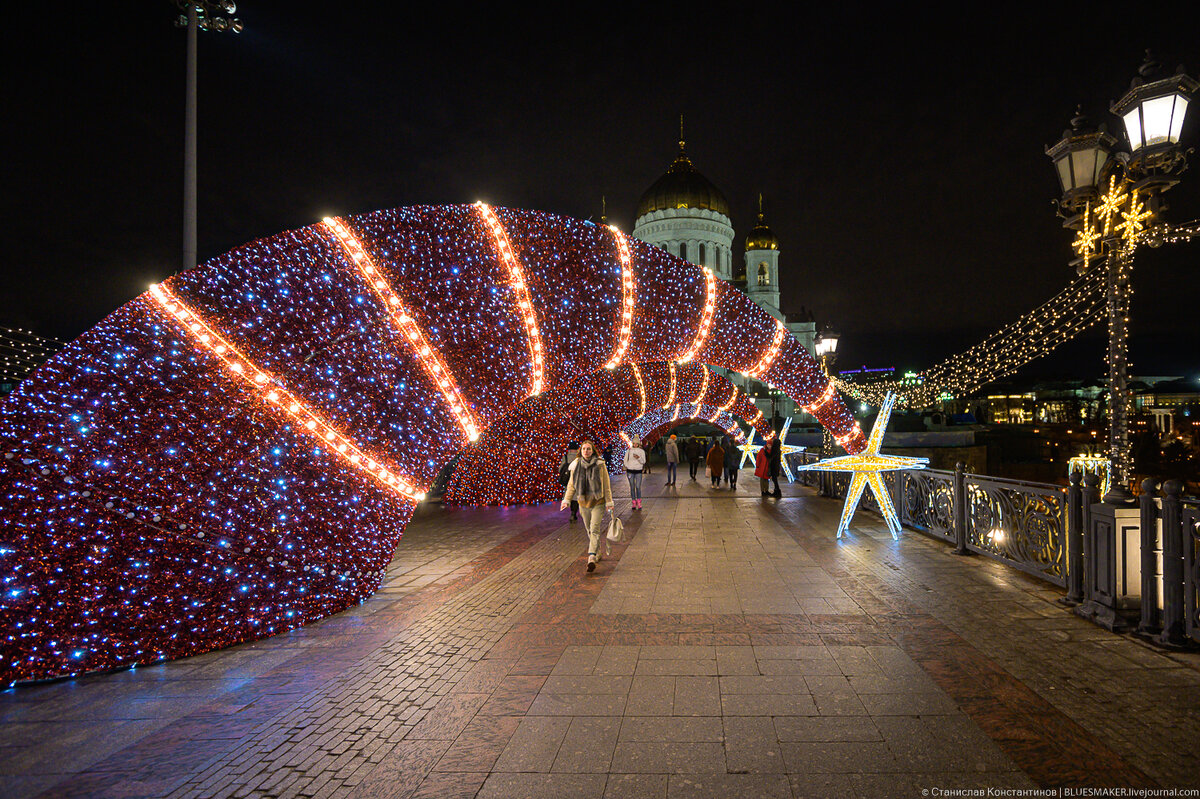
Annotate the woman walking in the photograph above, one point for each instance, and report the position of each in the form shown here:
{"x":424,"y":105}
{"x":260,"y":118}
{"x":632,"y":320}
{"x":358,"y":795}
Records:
{"x":732,"y":458}
{"x":588,"y":485}
{"x":716,"y":463}
{"x":762,"y":470}
{"x":672,"y":453}
{"x":635,"y":464}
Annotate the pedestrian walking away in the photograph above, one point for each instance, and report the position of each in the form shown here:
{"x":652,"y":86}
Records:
{"x":588,"y":485}
{"x":564,"y":475}
{"x":635,"y":463}
{"x":732,"y":461}
{"x":716,"y":463}
{"x":775,"y":457}
{"x":694,"y":452}
{"x":672,"y":452}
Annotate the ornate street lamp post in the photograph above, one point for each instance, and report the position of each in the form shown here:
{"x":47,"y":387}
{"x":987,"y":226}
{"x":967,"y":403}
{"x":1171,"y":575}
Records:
{"x":826,"y":346}
{"x":196,"y":15}
{"x":1111,"y":199}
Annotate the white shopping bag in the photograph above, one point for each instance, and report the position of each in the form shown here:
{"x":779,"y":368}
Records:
{"x":616,"y":530}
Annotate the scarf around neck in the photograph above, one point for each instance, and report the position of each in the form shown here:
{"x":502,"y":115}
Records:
{"x":587,"y":478}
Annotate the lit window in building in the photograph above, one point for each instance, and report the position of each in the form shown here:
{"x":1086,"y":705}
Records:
{"x":764,"y":275}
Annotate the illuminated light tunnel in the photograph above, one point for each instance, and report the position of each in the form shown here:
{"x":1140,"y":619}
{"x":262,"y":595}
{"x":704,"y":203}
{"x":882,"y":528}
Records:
{"x":517,"y":460}
{"x":238,"y":451}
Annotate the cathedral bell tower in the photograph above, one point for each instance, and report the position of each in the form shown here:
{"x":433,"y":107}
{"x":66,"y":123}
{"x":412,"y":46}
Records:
{"x":762,"y":265}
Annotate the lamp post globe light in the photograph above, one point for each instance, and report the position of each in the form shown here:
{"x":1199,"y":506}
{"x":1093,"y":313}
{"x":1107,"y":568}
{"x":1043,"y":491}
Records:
{"x":197,"y":15}
{"x":1112,"y":199}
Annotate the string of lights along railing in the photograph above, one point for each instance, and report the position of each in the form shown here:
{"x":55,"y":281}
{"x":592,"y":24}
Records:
{"x":1120,"y":221}
{"x":282,"y":408}
{"x":1070,"y":312}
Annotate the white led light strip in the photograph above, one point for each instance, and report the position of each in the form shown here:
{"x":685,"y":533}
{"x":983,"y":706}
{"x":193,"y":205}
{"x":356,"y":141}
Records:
{"x":675,"y":418}
{"x":265,"y":386}
{"x":671,"y":396}
{"x":627,"y":297}
{"x":407,"y":327}
{"x":537,"y":352}
{"x":771,"y":354}
{"x":706,"y":316}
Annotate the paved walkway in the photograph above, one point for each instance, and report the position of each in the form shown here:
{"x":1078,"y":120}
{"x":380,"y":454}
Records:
{"x":731,"y":648}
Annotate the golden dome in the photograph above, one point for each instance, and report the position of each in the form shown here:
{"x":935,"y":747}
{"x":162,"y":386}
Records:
{"x":761,"y":237}
{"x":682,"y":187}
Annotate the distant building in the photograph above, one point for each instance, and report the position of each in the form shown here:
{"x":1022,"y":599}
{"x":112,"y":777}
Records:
{"x":685,"y":214}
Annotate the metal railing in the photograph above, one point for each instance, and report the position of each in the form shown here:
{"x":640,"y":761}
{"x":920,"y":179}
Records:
{"x":1020,"y":523}
{"x":1062,"y":535}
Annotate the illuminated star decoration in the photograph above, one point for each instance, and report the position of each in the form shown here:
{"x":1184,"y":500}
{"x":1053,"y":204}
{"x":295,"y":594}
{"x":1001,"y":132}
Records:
{"x":866,"y":468}
{"x":749,"y":449}
{"x":786,"y":449}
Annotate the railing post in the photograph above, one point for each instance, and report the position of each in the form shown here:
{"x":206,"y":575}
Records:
{"x":960,"y":509}
{"x":1074,"y":533}
{"x":1089,"y":497}
{"x":1148,"y":507}
{"x":1173,"y":633}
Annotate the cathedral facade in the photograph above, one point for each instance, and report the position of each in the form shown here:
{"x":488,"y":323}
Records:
{"x":686,"y":215}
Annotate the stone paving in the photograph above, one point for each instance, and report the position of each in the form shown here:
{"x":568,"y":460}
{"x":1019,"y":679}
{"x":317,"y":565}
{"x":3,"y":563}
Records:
{"x":731,"y":647}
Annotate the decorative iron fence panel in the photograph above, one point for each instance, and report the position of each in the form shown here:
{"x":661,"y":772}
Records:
{"x":926,"y":502}
{"x":1191,"y":565}
{"x":1022,"y":524}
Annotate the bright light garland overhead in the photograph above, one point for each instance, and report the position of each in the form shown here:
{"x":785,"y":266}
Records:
{"x":867,"y":468}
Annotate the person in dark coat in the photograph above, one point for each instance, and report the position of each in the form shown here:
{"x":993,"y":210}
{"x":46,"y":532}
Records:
{"x":732,"y":460}
{"x":695,"y":451}
{"x":716,"y":463}
{"x":775,"y":457}
{"x":564,"y":474}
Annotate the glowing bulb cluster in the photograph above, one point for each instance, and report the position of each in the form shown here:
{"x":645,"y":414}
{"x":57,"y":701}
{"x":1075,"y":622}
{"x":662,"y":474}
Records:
{"x":706,"y":317}
{"x":267,"y":387}
{"x":524,"y":300}
{"x":401,"y":317}
{"x":627,"y":299}
{"x":768,"y":358}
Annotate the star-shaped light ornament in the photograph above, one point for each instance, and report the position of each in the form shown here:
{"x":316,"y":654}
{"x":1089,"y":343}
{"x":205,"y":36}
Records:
{"x":749,"y":449}
{"x":786,"y":449}
{"x":868,"y":467}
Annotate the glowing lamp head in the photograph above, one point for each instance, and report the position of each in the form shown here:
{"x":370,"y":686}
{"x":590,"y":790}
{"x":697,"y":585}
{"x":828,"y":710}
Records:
{"x":827,"y":342}
{"x":1154,"y":107}
{"x":1080,"y":158}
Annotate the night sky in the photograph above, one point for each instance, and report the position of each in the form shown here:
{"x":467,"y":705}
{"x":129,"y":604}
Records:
{"x":901,"y":159}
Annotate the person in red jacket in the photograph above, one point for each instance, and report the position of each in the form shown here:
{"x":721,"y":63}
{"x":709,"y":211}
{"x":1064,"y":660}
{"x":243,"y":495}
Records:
{"x":762,"y":470}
